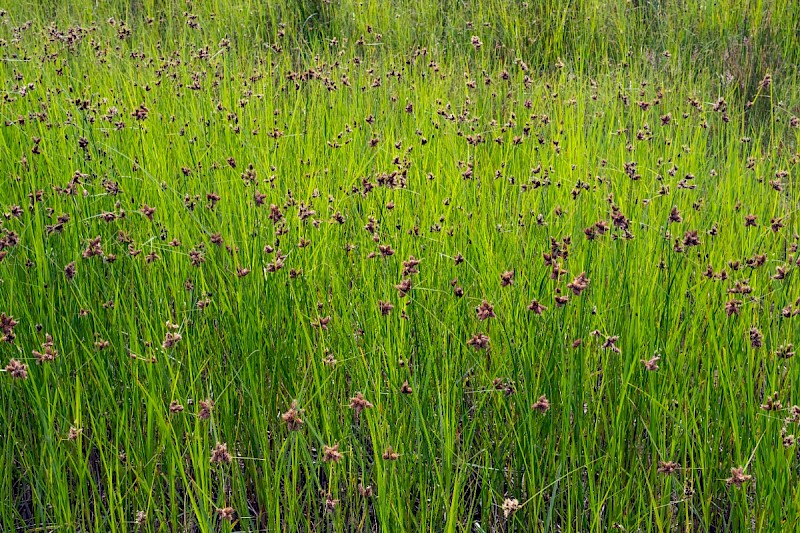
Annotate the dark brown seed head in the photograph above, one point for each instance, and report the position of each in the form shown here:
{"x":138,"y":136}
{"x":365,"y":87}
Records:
{"x":738,"y":477}
{"x":69,"y":270}
{"x":226,"y":513}
{"x":292,"y":418}
{"x":733,"y":307}
{"x":385,"y":307}
{"x":220,"y":454}
{"x":358,"y":403}
{"x":206,"y":407}
{"x":651,"y":364}
{"x":756,"y":338}
{"x":17,"y":369}
{"x":690,"y":238}
{"x":579,"y":284}
{"x":390,"y":455}
{"x":536,"y":308}
{"x":485,"y":311}
{"x":404,"y":287}
{"x":331,"y":454}
{"x":542,"y":404}
{"x":366,"y":492}
{"x":668,"y":467}
{"x":479,"y":341}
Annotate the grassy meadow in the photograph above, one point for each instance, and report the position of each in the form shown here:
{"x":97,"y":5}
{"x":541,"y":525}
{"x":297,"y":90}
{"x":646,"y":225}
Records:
{"x":403,"y":265}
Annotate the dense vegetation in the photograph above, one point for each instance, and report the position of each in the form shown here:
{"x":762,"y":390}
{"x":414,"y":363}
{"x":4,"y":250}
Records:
{"x":401,"y":266}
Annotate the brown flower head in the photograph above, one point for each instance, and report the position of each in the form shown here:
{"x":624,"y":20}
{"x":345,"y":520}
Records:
{"x":579,"y":284}
{"x":171,"y":339}
{"x":331,"y":454}
{"x":611,"y":343}
{"x":772,"y":403}
{"x":69,"y":270}
{"x":74,"y":433}
{"x":366,"y":492}
{"x":690,"y":238}
{"x":510,"y":506}
{"x":7,"y":325}
{"x":479,"y":341}
{"x":652,"y":363}
{"x":226,"y":513}
{"x":321,"y":323}
{"x":206,"y":407}
{"x":542,"y":404}
{"x":385,"y":307}
{"x":668,"y":467}
{"x":390,"y":455}
{"x":738,"y":477}
{"x":536,"y":308}
{"x":410,"y":266}
{"x":485,"y":311}
{"x":17,"y":369}
{"x":733,"y":307}
{"x":358,"y":403}
{"x":48,"y":353}
{"x":220,"y":454}
{"x":330,"y":504}
{"x":560,"y":300}
{"x":756,"y":338}
{"x":404,"y":287}
{"x":292,"y":417}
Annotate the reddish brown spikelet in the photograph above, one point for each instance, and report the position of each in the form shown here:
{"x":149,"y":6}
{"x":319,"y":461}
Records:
{"x":651,"y":364}
{"x":220,"y":454}
{"x":206,"y":408}
{"x":738,"y":477}
{"x":542,"y":404}
{"x":358,"y":403}
{"x":48,"y":353}
{"x":385,"y":307}
{"x":479,"y":341}
{"x":331,"y":454}
{"x":17,"y":369}
{"x":404,"y":287}
{"x":292,"y":418}
{"x":579,"y":284}
{"x":226,"y":513}
{"x":536,"y":308}
{"x":390,"y":455}
{"x":668,"y":467}
{"x":485,"y":311}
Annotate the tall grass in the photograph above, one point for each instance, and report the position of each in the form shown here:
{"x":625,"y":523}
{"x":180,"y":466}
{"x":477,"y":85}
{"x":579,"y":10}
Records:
{"x":497,"y":132}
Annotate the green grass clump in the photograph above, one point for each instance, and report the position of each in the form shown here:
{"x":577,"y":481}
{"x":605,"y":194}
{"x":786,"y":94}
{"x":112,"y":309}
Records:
{"x":399,"y":266}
